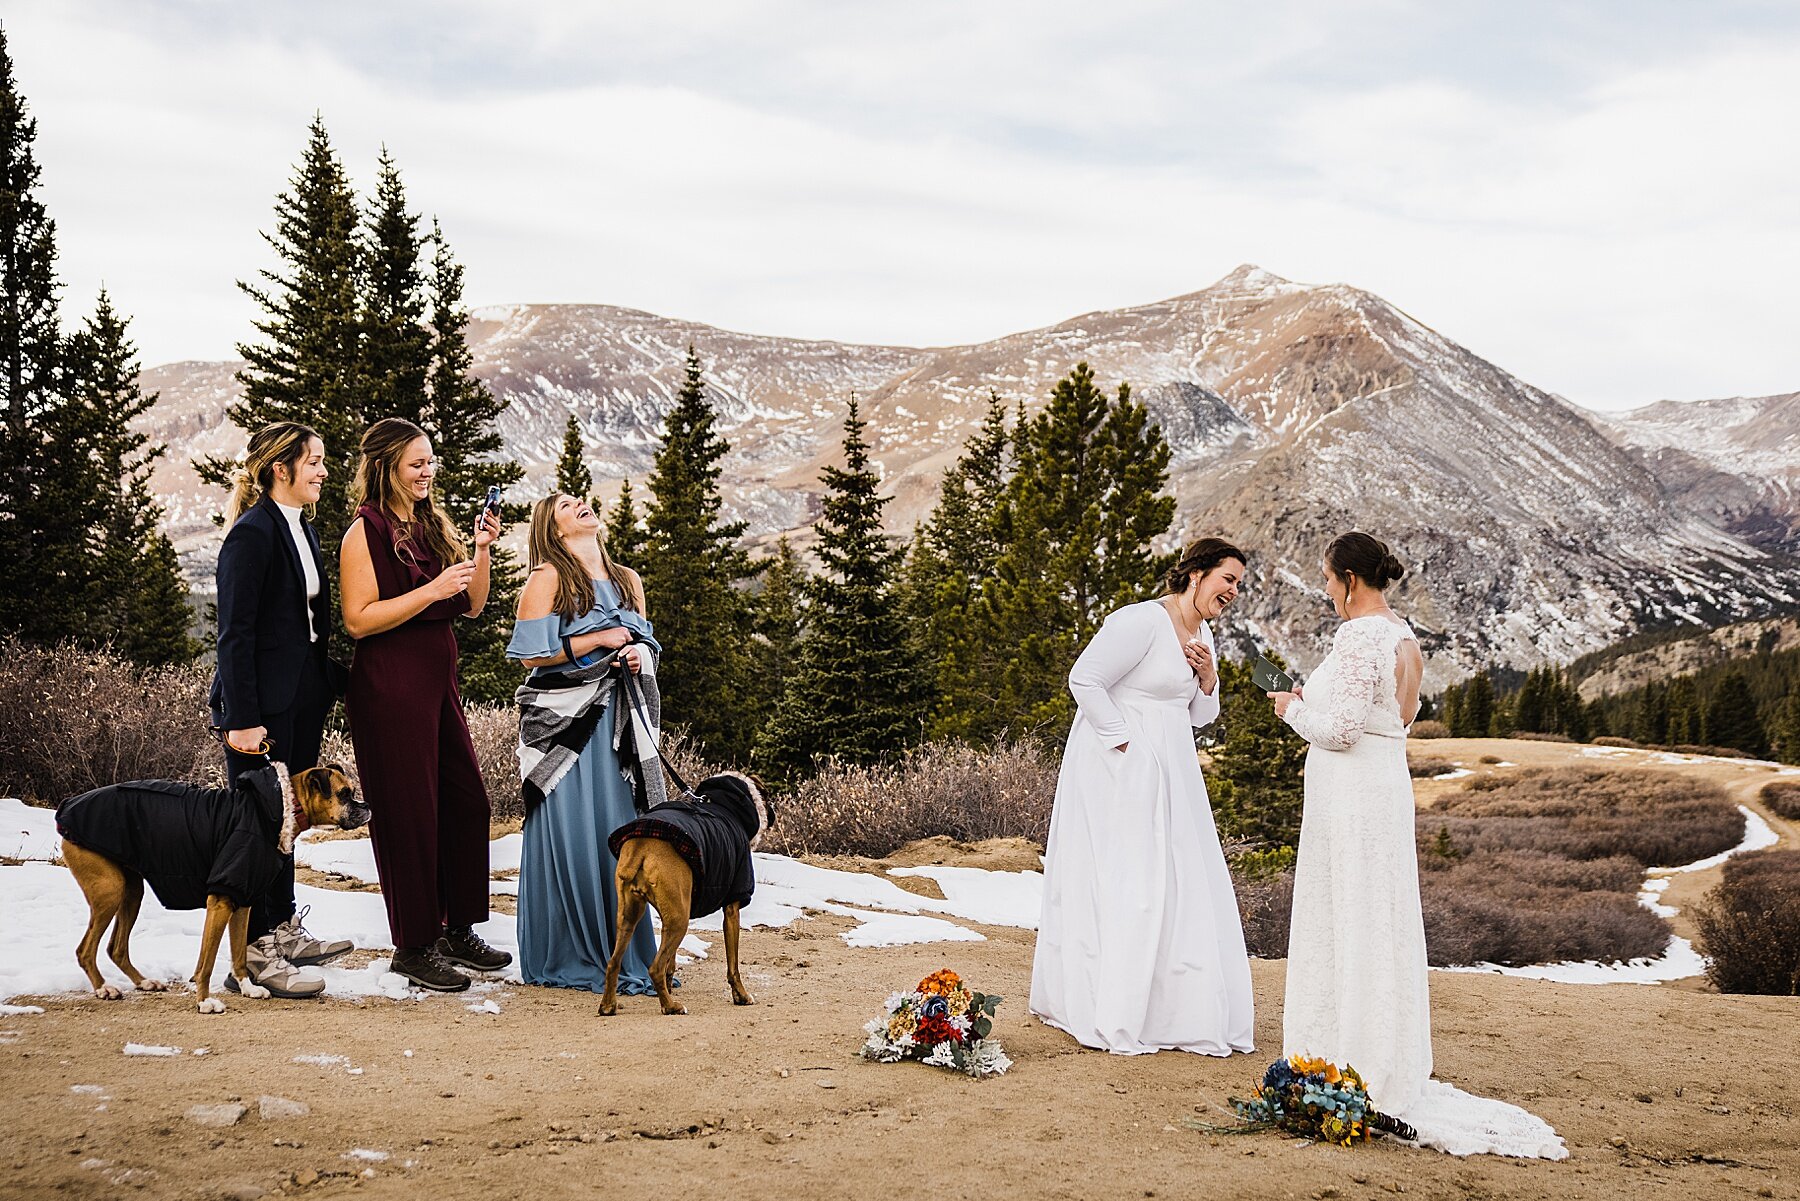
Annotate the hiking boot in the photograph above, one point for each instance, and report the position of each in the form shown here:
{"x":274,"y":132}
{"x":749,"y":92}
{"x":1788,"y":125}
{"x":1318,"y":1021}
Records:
{"x":300,"y":948}
{"x":465,"y":947}
{"x":269,"y":969}
{"x":426,"y":968}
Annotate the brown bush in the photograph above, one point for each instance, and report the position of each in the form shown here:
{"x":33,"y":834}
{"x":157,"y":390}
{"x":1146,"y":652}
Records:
{"x":1521,"y":907}
{"x":1613,"y":740}
{"x":1715,"y":752}
{"x":494,"y":729}
{"x":1490,"y":759}
{"x":1424,"y":767}
{"x":1783,"y":798}
{"x":1430,"y":729}
{"x":73,"y":718}
{"x":1749,"y":925}
{"x":965,"y":793}
{"x":1659,"y":819}
{"x":1539,"y":736}
{"x":1266,"y":906}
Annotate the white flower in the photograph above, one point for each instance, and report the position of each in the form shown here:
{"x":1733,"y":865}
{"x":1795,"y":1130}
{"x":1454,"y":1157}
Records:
{"x":943,"y":1055}
{"x":874,"y":1026}
{"x":896,"y":1000}
{"x":960,"y":1024}
{"x":985,"y":1058}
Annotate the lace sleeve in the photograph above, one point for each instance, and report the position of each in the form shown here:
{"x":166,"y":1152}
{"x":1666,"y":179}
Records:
{"x":1358,"y":660}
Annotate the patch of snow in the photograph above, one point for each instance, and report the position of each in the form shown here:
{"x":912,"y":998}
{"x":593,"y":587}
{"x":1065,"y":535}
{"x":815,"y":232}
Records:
{"x":27,"y":832}
{"x":151,"y":1049}
{"x":1455,"y":773}
{"x":367,"y":1155}
{"x":989,"y":897}
{"x":899,"y":930}
{"x":487,"y":1006}
{"x":13,"y":1011}
{"x":1757,"y":836}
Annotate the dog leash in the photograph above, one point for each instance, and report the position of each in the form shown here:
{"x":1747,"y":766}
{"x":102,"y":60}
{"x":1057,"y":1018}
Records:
{"x":635,"y":696}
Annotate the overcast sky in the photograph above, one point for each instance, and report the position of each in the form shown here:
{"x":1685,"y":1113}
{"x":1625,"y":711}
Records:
{"x":1599,"y":197}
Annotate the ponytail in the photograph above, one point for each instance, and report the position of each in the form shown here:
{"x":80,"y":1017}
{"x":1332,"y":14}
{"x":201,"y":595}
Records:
{"x":284,"y":442}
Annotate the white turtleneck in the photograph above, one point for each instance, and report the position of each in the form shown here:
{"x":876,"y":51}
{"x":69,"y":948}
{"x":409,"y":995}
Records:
{"x":309,"y":570}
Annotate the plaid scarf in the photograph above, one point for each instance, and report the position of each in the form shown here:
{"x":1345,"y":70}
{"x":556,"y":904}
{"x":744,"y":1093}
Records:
{"x":559,"y":712}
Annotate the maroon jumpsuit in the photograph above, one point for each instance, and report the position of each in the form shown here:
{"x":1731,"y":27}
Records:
{"x":429,"y":808}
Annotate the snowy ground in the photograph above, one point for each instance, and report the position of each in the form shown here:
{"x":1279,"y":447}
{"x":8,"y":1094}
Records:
{"x":46,"y":913}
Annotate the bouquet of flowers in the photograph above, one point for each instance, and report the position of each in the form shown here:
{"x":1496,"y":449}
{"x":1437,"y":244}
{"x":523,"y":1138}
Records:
{"x":1314,"y":1099}
{"x":942,"y":1023}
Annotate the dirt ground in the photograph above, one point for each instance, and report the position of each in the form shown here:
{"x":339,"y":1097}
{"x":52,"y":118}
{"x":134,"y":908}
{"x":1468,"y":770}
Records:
{"x":1659,"y":1091}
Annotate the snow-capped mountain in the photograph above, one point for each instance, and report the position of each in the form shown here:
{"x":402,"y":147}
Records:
{"x":1535,"y":531}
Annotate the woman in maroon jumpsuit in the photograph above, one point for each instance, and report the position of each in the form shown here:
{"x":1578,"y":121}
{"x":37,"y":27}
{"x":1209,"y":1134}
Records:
{"x":405,"y":576}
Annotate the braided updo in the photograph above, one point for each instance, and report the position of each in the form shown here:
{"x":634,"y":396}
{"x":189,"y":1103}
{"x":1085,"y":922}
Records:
{"x":1365,"y":557}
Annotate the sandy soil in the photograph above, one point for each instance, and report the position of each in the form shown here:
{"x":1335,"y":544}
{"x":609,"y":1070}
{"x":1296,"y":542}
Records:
{"x":1660,"y":1091}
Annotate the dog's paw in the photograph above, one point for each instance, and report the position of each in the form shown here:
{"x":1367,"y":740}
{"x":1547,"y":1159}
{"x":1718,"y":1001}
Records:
{"x":607,"y":1011}
{"x":212,"y":1005}
{"x":675,"y":1011}
{"x":149,"y":985}
{"x":108,"y":992}
{"x":252,"y":989}
{"x":746,"y":999}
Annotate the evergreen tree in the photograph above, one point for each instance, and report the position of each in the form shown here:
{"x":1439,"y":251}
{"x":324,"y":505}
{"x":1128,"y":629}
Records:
{"x":572,"y":474}
{"x":1475,"y":707}
{"x":691,"y":571}
{"x":1731,"y":718}
{"x":625,"y":535}
{"x":51,"y":491}
{"x":856,"y":692}
{"x":138,"y":595}
{"x":1685,"y":714}
{"x":308,"y":366}
{"x":1530,"y":711}
{"x":1075,"y":521}
{"x":461,"y":418}
{"x":779,"y":619}
{"x":1258,"y":764}
{"x":396,"y":342}
{"x":1784,"y":731}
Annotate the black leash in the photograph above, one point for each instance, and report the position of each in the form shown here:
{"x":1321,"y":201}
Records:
{"x":635,"y":696}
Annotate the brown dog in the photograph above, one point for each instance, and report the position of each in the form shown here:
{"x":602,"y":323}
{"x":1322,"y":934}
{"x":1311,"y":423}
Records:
{"x":212,"y":848}
{"x":688,"y":859}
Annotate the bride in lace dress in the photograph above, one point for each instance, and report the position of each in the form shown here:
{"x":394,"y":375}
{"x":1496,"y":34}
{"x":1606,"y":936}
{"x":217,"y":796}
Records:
{"x":1356,"y":970}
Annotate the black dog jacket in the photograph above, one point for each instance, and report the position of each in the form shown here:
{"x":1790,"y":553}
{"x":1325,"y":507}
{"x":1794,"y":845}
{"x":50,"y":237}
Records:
{"x":712,"y":836}
{"x":187,"y":842}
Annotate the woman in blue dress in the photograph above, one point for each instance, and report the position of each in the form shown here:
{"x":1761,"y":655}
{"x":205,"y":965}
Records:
{"x":578,"y":605}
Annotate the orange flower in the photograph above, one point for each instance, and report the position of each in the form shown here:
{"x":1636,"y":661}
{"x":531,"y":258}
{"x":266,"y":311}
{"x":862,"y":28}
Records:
{"x":940,"y":983}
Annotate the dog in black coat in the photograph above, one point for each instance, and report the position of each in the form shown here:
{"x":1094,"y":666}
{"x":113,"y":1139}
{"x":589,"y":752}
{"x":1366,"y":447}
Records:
{"x":211,"y":848}
{"x":688,"y":859}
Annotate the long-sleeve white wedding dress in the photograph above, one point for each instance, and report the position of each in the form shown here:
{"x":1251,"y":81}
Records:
{"x":1356,"y":969}
{"x":1139,"y":947}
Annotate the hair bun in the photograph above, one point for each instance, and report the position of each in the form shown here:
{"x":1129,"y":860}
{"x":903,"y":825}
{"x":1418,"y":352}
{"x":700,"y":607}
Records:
{"x":1391,"y":568}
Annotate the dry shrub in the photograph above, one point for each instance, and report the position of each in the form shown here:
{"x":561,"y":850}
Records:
{"x":494,"y":729}
{"x":1516,"y":907}
{"x":1540,"y":736}
{"x":1714,"y":752}
{"x":1424,"y":767}
{"x":1490,"y":759}
{"x":963,"y":792}
{"x":1783,"y":798}
{"x":1266,"y":906}
{"x":1430,"y":729}
{"x":1749,"y":925}
{"x":1659,"y":819}
{"x":73,"y":718}
{"x":1614,"y":740}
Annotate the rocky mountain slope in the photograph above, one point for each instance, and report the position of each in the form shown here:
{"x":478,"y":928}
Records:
{"x":1536,"y":532}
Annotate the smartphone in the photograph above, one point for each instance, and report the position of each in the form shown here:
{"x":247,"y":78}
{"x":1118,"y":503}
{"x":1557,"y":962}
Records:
{"x":1270,"y":678}
{"x":492,"y":505}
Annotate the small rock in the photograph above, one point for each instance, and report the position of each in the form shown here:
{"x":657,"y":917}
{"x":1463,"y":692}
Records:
{"x":243,"y":1192}
{"x":1765,"y":1191}
{"x":1646,"y":1098}
{"x":306,"y":1177}
{"x":769,"y":1136}
{"x":783,"y":1073}
{"x":826,"y":1083}
{"x":1616,"y":1141}
{"x":229,"y":1113}
{"x":269,"y":1108}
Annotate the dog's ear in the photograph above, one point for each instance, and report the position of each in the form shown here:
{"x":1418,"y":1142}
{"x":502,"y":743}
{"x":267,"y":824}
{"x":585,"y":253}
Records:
{"x":339,"y":768}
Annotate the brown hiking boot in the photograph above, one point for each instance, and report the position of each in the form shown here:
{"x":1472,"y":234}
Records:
{"x":426,"y":968}
{"x":466,"y":948}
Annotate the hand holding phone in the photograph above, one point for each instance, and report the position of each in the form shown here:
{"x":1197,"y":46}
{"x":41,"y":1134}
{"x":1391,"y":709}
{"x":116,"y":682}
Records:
{"x":490,"y":507}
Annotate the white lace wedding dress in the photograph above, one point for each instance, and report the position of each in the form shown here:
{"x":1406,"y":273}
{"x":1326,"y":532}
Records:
{"x":1356,"y":970}
{"x":1139,"y":946}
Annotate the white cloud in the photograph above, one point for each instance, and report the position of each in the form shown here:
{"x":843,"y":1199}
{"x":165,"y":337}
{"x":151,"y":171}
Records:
{"x":930,"y":174}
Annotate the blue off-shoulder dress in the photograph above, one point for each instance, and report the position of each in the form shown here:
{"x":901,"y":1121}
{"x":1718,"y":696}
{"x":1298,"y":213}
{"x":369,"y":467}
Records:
{"x":568,"y":906}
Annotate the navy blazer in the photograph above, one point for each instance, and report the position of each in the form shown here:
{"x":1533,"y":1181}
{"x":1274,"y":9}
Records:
{"x":263,"y":637}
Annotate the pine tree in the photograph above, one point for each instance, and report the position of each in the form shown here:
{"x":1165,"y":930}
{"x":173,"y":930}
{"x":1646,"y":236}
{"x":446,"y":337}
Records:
{"x":51,"y":493}
{"x":396,"y":342}
{"x":573,"y":477}
{"x":1530,"y":710}
{"x":626,"y":538}
{"x":1075,"y":521}
{"x":1258,"y":764}
{"x":779,"y":618}
{"x":1475,"y":710}
{"x":1731,"y":718}
{"x":138,"y":595}
{"x":1785,"y":729}
{"x":691,"y":570}
{"x":856,"y":693}
{"x":308,"y":366}
{"x":461,"y":418}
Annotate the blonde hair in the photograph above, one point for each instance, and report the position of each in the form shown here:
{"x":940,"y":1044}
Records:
{"x":377,"y":483}
{"x":283,"y":442}
{"x":574,"y":590}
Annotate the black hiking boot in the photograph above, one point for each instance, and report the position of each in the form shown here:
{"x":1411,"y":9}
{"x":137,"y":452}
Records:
{"x":426,"y":968}
{"x":465,"y":948}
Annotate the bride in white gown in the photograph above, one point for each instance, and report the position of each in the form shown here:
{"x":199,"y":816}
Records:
{"x":1140,"y":947}
{"x":1356,"y":969}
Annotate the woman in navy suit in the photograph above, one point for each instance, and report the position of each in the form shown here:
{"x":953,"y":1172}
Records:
{"x":274,"y":684}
